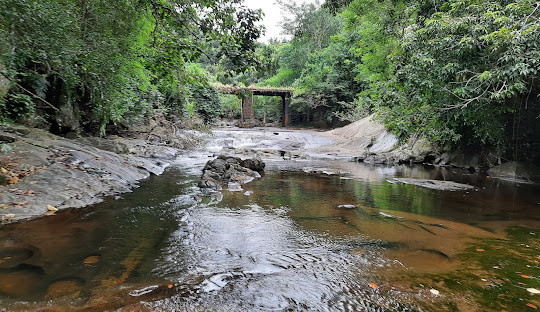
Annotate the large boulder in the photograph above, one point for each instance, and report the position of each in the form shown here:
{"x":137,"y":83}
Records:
{"x":227,"y":169}
{"x":255,"y":164}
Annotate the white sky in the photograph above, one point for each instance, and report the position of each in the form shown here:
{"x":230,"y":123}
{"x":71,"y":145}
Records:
{"x":272,"y":16}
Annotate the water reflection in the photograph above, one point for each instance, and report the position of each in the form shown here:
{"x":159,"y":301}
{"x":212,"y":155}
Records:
{"x":289,"y":241}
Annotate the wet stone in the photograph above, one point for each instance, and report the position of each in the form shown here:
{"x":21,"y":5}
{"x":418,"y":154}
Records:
{"x":348,"y":206}
{"x":4,"y":179}
{"x":234,"y":187}
{"x":64,"y":288}
{"x":326,"y":171}
{"x":436,"y":184}
{"x":227,"y":169}
{"x":255,"y":164}
{"x":20,"y":283}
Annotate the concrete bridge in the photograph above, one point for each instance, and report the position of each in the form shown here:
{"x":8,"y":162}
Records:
{"x":247,"y":93}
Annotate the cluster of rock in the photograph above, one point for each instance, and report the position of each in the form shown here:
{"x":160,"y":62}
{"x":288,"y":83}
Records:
{"x":228,"y":169}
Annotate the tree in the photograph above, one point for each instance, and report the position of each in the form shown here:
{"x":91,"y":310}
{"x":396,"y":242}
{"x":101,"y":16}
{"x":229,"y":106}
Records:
{"x":335,"y":6}
{"x":98,"y":61}
{"x":469,"y":77}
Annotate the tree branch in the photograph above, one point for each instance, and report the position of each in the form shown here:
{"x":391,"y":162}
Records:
{"x":30,"y":92}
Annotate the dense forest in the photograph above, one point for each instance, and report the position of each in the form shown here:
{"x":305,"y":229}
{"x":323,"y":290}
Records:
{"x":463,"y":73}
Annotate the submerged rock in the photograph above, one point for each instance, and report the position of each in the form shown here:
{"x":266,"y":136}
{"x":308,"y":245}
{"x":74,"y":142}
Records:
{"x":326,"y":171}
{"x":436,"y":184}
{"x":21,"y":282}
{"x":232,"y":170}
{"x":63,"y":288}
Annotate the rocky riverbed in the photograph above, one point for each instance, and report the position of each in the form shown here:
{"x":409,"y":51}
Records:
{"x":41,"y":173}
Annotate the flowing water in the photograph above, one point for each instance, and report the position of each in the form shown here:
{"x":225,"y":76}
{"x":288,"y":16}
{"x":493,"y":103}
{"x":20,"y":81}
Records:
{"x":347,"y":239}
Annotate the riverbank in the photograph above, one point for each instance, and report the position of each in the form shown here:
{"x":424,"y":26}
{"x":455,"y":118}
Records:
{"x":44,"y":173}
{"x":368,"y":141}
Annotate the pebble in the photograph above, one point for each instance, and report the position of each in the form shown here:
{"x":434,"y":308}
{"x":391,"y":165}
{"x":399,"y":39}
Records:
{"x":91,"y":260}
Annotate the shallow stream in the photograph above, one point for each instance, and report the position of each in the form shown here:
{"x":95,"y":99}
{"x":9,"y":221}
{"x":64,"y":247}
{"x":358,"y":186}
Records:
{"x":348,"y":239}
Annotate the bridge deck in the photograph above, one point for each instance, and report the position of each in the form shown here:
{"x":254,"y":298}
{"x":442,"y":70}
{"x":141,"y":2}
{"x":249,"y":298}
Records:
{"x":287,"y":92}
{"x":248,"y":115}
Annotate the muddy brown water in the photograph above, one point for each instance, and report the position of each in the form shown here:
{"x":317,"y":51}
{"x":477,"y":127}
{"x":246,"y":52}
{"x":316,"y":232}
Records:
{"x":290,"y":241}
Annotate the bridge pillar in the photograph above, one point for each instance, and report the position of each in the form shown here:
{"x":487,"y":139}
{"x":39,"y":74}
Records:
{"x":248,"y":115}
{"x":285,"y":112}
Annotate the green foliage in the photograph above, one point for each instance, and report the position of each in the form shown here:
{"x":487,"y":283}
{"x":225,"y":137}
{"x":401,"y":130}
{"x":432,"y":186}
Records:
{"x":335,"y":6}
{"x":469,"y":76}
{"x":462,"y":72}
{"x":206,"y":101}
{"x":16,"y":105}
{"x":226,"y":72}
{"x":328,"y":81}
{"x":231,"y":106}
{"x":110,"y":60}
{"x":284,"y":77}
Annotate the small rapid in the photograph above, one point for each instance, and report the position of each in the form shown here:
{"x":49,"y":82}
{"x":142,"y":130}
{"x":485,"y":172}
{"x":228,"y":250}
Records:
{"x":256,"y":258}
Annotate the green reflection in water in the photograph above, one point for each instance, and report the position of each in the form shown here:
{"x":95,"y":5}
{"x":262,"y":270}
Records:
{"x":496,"y":273}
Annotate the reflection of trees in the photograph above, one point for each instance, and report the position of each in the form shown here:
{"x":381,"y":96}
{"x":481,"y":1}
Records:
{"x":397,"y":197}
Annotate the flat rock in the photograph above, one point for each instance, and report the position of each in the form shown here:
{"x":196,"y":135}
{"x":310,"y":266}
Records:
{"x":436,"y":184}
{"x":91,"y":260}
{"x":19,"y":283}
{"x":326,"y":171}
{"x":234,"y":187}
{"x":63,"y":288}
{"x":71,"y":174}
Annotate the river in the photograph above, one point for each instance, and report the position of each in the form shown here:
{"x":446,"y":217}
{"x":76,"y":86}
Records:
{"x":316,"y":234}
